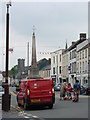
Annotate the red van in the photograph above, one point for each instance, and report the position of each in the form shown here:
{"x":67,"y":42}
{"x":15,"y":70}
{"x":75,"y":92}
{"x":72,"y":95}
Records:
{"x":36,"y":92}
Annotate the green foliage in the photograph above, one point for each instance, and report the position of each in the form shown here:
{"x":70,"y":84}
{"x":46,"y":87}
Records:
{"x":13,"y":72}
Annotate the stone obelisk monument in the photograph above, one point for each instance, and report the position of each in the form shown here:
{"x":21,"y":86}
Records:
{"x":34,"y":71}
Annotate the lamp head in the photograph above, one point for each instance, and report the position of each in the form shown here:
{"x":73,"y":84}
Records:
{"x":9,"y":4}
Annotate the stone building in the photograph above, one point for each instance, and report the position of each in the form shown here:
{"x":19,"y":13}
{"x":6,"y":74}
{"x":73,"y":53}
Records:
{"x":45,"y":72}
{"x":65,"y":73}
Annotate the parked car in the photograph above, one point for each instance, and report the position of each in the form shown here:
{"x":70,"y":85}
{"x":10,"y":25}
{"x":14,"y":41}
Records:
{"x":1,"y":91}
{"x":57,"y":87}
{"x":36,"y":92}
{"x":85,"y":89}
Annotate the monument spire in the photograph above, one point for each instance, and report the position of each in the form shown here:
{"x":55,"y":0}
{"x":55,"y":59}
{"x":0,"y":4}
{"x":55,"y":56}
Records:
{"x":34,"y":71}
{"x":34,"y":61}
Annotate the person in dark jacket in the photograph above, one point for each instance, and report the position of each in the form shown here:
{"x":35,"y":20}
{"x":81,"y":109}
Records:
{"x":76,"y":89}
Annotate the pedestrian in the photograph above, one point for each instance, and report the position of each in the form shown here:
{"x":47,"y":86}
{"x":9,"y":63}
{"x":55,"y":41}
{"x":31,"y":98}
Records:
{"x":62,"y":90}
{"x":68,"y":92}
{"x":76,"y":89}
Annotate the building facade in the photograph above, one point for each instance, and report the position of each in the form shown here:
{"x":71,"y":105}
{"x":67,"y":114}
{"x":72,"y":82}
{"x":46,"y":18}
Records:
{"x":56,"y":66}
{"x":72,"y":58}
{"x":72,"y":64}
{"x":65,"y":73}
{"x":82,"y":62}
{"x":45,"y":72}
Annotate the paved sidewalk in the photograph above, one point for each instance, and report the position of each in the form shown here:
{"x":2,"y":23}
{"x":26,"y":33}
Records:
{"x":12,"y":113}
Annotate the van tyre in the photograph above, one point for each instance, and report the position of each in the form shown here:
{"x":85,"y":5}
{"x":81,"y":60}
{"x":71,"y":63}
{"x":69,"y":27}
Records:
{"x":50,"y":106}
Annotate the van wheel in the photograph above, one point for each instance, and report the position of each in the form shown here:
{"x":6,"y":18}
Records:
{"x":25,"y":105}
{"x":50,"y":106}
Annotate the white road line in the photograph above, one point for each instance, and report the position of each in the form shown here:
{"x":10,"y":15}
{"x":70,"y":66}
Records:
{"x":28,"y":114}
{"x":26,"y":117}
{"x":35,"y":116}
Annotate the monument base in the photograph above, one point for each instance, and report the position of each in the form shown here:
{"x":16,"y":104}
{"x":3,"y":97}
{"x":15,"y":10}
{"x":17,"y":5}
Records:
{"x":34,"y":73}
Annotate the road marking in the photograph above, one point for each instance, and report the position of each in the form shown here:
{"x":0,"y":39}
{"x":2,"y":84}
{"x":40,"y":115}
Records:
{"x":22,"y":113}
{"x":26,"y":117}
{"x":35,"y":117}
{"x":17,"y":108}
{"x":27,"y":114}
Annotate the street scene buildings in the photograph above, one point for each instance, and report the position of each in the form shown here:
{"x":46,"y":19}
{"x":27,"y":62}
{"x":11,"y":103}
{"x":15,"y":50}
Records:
{"x":64,"y":65}
{"x":54,"y":61}
{"x":73,"y":64}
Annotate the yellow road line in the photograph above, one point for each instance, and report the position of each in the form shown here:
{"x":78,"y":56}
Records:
{"x":17,"y":108}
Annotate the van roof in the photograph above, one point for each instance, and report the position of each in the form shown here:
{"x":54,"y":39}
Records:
{"x":36,"y":79}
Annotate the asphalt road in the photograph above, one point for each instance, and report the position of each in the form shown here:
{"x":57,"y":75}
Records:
{"x":61,"y":109}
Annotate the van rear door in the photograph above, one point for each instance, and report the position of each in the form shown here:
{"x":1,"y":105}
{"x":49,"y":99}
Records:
{"x":40,"y":88}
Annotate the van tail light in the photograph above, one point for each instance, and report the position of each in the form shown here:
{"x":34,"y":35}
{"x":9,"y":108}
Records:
{"x":53,"y":91}
{"x":28,"y":92}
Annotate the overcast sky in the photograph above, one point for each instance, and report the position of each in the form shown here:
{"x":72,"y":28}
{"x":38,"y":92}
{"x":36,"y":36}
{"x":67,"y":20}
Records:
{"x":55,"y":22}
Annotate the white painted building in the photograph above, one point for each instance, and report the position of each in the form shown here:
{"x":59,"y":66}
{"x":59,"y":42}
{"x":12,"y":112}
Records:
{"x":82,"y":62}
{"x":72,"y":58}
{"x":56,"y":66}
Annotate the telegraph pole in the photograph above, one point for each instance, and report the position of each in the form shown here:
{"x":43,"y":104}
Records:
{"x":6,"y":96}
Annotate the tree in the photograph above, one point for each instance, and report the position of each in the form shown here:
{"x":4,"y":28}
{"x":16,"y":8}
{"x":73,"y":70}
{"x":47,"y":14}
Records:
{"x":13,"y":72}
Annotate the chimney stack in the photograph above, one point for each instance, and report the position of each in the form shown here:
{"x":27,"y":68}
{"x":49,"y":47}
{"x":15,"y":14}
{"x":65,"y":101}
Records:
{"x":82,"y":36}
{"x":73,"y":43}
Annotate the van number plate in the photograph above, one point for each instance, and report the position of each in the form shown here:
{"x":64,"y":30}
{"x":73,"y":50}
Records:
{"x":35,"y":100}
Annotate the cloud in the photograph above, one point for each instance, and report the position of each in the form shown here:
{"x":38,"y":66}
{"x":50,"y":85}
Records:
{"x":47,"y":0}
{"x":55,"y":22}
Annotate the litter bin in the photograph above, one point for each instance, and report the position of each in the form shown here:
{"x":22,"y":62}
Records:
{"x":6,"y":102}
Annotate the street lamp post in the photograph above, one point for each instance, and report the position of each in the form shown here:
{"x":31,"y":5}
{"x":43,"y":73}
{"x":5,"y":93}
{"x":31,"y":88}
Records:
{"x":6,"y":96}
